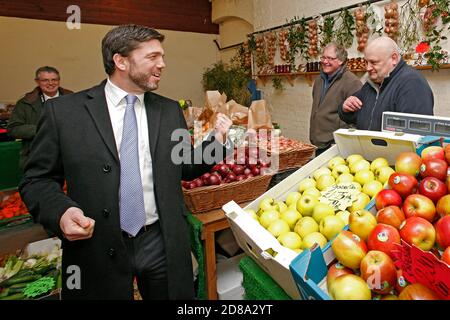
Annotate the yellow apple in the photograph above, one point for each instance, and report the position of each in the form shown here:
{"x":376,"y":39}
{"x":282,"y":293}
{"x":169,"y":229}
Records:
{"x":344,"y":215}
{"x":371,"y":188}
{"x":291,"y":216}
{"x":361,"y":223}
{"x":306,"y":204}
{"x":315,"y":237}
{"x":353,"y":158}
{"x":312,"y":192}
{"x":321,"y":171}
{"x":267,"y":217}
{"x":331,"y":226}
{"x":280,"y":206}
{"x":364,"y":176}
{"x":382,"y":174}
{"x":306,"y":184}
{"x":290,"y":240}
{"x":325,"y":181}
{"x":292,"y":197}
{"x":278,"y":227}
{"x":252,"y":213}
{"x":359,"y":165}
{"x":305,"y":226}
{"x":378,"y":162}
{"x":266,"y":204}
{"x":350,"y":287}
{"x":360,"y":203}
{"x":321,"y":210}
{"x":357,"y":185}
{"x":344,"y":178}
{"x":335,"y":161}
{"x":339,"y":169}
{"x":298,"y":250}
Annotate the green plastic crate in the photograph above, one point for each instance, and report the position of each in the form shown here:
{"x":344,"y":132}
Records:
{"x":10,"y":172}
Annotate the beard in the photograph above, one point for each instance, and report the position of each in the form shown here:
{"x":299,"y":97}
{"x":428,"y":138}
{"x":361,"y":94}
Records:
{"x":141,"y":79}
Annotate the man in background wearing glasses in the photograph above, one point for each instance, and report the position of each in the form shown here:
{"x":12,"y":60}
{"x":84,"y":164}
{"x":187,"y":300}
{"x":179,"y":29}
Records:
{"x":26,"y":113}
{"x":330,"y":90}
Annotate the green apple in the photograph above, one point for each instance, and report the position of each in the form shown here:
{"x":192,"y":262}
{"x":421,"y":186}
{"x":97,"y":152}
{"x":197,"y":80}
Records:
{"x":353,"y":158}
{"x":344,"y":215}
{"x":291,"y":216}
{"x":267,"y":217}
{"x":321,"y":171}
{"x":344,"y":178}
{"x":371,"y":188}
{"x":252,"y":213}
{"x":359,"y":165}
{"x":335,"y":161}
{"x":306,"y":204}
{"x":339,"y":169}
{"x":331,"y":226}
{"x":325,"y":181}
{"x":378,"y":163}
{"x":292,"y":197}
{"x":321,"y":210}
{"x":312,"y":238}
{"x":312,"y":192}
{"x":290,"y":240}
{"x":278,"y":227}
{"x":364,"y":176}
{"x":280,"y":206}
{"x":306,"y":184}
{"x":266,"y":204}
{"x":360,"y":203}
{"x":305,"y":226}
{"x":382,"y":174}
{"x":361,"y":223}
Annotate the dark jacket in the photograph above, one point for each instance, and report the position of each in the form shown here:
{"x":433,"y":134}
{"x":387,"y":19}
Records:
{"x":404,"y":90}
{"x":75,"y":142}
{"x":24,"y":118}
{"x":324,"y":115}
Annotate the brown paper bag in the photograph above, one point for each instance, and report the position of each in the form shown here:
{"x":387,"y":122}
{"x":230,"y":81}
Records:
{"x":191,"y":114}
{"x":237,"y":113}
{"x":259,"y":116}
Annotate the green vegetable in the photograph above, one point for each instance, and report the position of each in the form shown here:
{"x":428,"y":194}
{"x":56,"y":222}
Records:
{"x":16,"y":296}
{"x":15,"y":280}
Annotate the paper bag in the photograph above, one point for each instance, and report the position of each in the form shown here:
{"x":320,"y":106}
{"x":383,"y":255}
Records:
{"x":191,"y":114}
{"x":259,"y":116}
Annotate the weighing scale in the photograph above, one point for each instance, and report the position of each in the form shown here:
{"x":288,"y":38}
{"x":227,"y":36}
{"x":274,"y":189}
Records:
{"x":416,"y":124}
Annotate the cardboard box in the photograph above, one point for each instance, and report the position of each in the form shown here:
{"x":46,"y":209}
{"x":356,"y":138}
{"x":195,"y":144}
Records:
{"x":229,"y":279}
{"x":258,"y":243}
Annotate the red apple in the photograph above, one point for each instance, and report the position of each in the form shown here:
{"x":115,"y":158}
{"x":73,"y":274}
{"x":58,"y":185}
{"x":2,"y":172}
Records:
{"x":418,"y":291}
{"x":401,"y":282}
{"x":417,"y":205}
{"x":434,"y":168}
{"x":408,"y":163}
{"x":391,"y":215}
{"x":383,"y":238}
{"x":442,"y":228}
{"x":443,"y":206}
{"x":447,"y":182}
{"x":335,"y":271}
{"x":419,"y":232}
{"x":349,"y":249}
{"x":447,"y":153}
{"x":446,"y":256}
{"x":387,"y":197}
{"x":378,"y":270}
{"x":432,"y":152}
{"x":404,"y":184}
{"x":432,"y":188}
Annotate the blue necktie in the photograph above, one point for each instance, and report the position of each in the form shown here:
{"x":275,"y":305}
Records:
{"x":132,"y":210}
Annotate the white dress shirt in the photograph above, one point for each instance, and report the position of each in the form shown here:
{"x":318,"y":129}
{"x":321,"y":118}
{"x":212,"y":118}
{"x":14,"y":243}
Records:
{"x":46,"y":97}
{"x":115,"y":99}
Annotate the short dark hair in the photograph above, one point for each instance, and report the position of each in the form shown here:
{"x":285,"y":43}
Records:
{"x":45,"y":69}
{"x":124,"y":39}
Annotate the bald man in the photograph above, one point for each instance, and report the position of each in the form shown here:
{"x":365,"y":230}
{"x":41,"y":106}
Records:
{"x":392,"y":86}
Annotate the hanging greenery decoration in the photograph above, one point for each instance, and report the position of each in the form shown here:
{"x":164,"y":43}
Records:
{"x":409,"y":26}
{"x":327,"y":31}
{"x":297,"y":40}
{"x":344,"y":33}
{"x":277,"y":83}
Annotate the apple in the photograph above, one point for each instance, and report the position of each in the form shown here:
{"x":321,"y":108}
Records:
{"x":391,"y":215}
{"x":378,"y":163}
{"x":306,"y":204}
{"x":382,"y":174}
{"x":432,"y":188}
{"x":389,"y":297}
{"x":408,"y":163}
{"x":339,"y":169}
{"x":417,"y":205}
{"x":292,"y":197}
{"x":330,"y":226}
{"x":419,"y":232}
{"x":432,"y":152}
{"x":268,"y":216}
{"x":446,"y":256}
{"x":447,"y":182}
{"x":356,"y":185}
{"x":266,"y":204}
{"x":321,"y":210}
{"x":336,"y":270}
{"x":343,"y":215}
{"x":442,"y":228}
{"x":322,"y":170}
{"x":418,"y":291}
{"x":306,"y":184}
{"x":325,"y":181}
{"x":443,"y":206}
{"x":359,"y":165}
{"x":361,"y":223}
{"x":387,"y":197}
{"x":401,"y":282}
{"x":278,"y":227}
{"x":378,"y":270}
{"x":335,"y":162}
{"x":305,"y":226}
{"x":314,"y":237}
{"x":353,"y":158}
{"x":362,"y":200}
{"x":404,"y":184}
{"x":290,"y":240}
{"x":447,"y":153}
{"x":252,"y":214}
{"x":350,"y":287}
{"x":364,"y":176}
{"x":349,"y":249}
{"x":291,"y":216}
{"x":383,"y":238}
{"x":280,"y":206}
{"x":372,"y":188}
{"x":434,"y":168}
{"x":344,"y":178}
{"x":313,"y":192}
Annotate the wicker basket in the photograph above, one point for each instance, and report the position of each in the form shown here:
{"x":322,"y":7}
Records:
{"x":203,"y":199}
{"x":296,"y":158}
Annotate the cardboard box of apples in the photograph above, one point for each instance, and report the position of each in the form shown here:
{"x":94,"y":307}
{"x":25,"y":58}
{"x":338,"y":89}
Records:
{"x":401,"y":251}
{"x":305,"y":208}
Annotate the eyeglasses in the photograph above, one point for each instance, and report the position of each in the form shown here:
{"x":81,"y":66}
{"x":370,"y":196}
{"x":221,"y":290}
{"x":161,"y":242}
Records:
{"x":327,"y":58}
{"x":48,"y":80}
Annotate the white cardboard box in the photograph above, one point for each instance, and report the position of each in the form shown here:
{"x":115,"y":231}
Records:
{"x":258,"y":243}
{"x":229,"y":279}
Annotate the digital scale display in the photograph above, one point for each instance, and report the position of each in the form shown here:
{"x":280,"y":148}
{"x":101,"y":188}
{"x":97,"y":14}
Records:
{"x":420,"y":125}
{"x":442,"y":128}
{"x":416,"y":124}
{"x":395,"y":122}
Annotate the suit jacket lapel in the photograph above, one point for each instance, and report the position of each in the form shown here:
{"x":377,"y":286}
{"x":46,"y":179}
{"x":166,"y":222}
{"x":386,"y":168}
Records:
{"x":153,"y":110}
{"x":98,"y":109}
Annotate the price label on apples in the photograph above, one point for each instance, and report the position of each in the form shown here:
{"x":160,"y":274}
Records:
{"x":340,"y":196}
